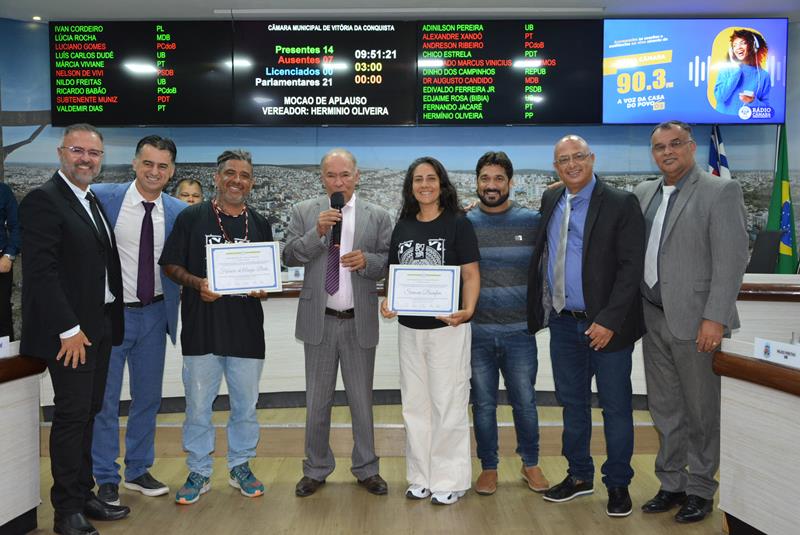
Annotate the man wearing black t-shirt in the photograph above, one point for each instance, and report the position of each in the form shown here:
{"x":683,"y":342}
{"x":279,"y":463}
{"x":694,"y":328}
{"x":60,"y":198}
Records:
{"x":221,"y":335}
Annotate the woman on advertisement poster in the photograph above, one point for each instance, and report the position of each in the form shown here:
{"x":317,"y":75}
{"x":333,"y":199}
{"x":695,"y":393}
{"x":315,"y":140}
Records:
{"x":743,"y":81}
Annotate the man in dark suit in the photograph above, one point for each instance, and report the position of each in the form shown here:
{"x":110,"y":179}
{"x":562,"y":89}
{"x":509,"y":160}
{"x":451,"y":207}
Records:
{"x":339,"y":323}
{"x":142,"y":216}
{"x":584,"y":283}
{"x":71,"y":316}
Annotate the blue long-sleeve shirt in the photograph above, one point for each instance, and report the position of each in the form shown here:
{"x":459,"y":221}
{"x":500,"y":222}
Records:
{"x":573,"y":266}
{"x":9,"y":229}
{"x":731,"y":82}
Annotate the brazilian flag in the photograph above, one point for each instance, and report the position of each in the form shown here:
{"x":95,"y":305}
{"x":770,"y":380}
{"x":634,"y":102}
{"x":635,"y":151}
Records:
{"x":781,"y":214}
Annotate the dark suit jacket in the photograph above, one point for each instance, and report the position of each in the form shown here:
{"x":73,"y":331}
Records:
{"x":64,"y":270}
{"x":613,"y":263}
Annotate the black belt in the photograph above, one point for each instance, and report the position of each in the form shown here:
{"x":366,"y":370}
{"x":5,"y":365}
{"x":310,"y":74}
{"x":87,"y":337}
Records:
{"x":348,"y":314}
{"x":139,"y":304}
{"x":577,"y":314}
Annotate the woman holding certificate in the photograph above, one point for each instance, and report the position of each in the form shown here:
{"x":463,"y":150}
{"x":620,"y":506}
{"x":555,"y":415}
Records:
{"x":434,"y":348}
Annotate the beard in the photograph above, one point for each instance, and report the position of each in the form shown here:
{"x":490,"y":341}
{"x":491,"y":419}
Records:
{"x":497,"y":202}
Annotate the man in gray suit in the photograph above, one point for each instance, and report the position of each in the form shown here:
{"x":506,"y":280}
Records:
{"x":337,"y":316}
{"x":694,"y":264}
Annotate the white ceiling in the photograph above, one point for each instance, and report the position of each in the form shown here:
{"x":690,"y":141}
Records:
{"x":389,"y":9}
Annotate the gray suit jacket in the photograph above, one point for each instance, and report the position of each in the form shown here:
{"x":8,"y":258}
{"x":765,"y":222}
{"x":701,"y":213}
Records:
{"x":703,"y":252}
{"x":304,"y":247}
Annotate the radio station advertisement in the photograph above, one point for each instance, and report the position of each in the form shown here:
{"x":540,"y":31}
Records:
{"x":323,"y":73}
{"x":135,"y":73}
{"x":509,"y":72}
{"x":698,"y":71}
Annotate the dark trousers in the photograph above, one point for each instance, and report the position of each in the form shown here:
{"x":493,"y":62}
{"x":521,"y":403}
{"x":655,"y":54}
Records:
{"x":574,"y":365}
{"x":6,"y":322}
{"x":78,"y":398}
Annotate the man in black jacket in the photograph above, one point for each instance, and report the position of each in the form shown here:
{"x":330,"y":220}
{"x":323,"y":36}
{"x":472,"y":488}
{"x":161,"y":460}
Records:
{"x":584,"y":284}
{"x":71,"y":316}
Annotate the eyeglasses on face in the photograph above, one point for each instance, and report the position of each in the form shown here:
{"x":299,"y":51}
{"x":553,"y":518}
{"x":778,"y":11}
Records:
{"x":80,"y":151}
{"x":578,"y":157}
{"x":675,"y":144}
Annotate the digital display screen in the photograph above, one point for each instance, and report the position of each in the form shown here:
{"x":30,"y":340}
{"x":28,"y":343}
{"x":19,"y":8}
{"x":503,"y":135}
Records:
{"x":509,"y":72}
{"x":324,"y":73}
{"x":697,"y":71}
{"x":136,"y":73}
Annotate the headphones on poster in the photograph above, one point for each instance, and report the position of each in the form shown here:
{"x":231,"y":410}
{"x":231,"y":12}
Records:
{"x":756,"y":46}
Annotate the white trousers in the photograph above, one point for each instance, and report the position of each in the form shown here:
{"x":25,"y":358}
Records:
{"x":434,"y":383}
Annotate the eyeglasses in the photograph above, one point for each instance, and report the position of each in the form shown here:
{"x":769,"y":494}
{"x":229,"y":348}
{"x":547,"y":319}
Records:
{"x":80,"y":151}
{"x":578,"y":157}
{"x":675,"y":144}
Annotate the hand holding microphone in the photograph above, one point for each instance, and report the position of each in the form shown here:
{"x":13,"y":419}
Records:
{"x":330,"y":220}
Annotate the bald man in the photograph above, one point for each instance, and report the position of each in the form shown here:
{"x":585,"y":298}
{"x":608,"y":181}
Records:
{"x":584,"y":283}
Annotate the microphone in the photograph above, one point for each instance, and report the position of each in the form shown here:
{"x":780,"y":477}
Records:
{"x":337,"y":203}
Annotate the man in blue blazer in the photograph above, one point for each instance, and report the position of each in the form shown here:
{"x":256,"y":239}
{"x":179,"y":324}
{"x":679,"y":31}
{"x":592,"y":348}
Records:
{"x":142,"y":217}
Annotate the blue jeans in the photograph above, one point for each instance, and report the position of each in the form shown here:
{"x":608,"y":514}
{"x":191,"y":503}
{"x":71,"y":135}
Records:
{"x":574,"y":364}
{"x":143,"y":349}
{"x":513,"y":354}
{"x":202,"y":375}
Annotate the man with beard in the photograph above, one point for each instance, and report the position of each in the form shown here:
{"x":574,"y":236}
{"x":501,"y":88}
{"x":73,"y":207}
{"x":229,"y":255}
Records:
{"x":500,"y":339}
{"x":71,"y":316}
{"x":222,"y":335}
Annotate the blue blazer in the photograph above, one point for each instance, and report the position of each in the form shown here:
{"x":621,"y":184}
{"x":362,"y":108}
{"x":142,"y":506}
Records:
{"x":111,"y":197}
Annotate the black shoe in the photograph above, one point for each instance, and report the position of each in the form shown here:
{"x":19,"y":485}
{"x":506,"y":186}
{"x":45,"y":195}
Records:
{"x":74,"y":524}
{"x":619,"y":502}
{"x":664,"y":501}
{"x":568,"y":489}
{"x":97,"y":510}
{"x":108,"y":493}
{"x":375,"y":485}
{"x":147,"y":485}
{"x":694,"y":510}
{"x":307,"y":486}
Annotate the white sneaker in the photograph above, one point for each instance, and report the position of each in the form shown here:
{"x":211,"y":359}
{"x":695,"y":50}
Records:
{"x":417,"y":492}
{"x":446,"y":498}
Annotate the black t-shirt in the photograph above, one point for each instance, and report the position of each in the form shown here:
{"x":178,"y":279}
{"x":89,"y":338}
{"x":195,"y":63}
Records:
{"x":448,"y":240}
{"x":232,"y":325}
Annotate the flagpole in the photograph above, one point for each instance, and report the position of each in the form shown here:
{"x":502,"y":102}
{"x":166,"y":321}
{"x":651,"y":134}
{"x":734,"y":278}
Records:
{"x":777,"y":148}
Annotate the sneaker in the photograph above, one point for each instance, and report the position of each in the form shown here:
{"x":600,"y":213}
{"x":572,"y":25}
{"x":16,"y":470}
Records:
{"x":190,"y":492}
{"x":446,"y":497}
{"x":108,"y":493}
{"x":417,"y":492}
{"x":244,"y":480}
{"x":568,"y":489}
{"x":619,"y":502}
{"x":147,"y":485}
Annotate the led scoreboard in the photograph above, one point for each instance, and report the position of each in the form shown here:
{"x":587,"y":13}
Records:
{"x":509,"y":72}
{"x":131,"y":73}
{"x":312,"y":73}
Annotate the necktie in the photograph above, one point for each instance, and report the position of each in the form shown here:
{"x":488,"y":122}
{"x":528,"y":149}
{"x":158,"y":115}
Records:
{"x":98,"y":220}
{"x":145,"y":279}
{"x":559,"y":272}
{"x":654,"y":242}
{"x":332,"y":271}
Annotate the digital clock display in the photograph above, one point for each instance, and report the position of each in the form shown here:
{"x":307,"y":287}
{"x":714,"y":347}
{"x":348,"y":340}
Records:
{"x":322,"y":73}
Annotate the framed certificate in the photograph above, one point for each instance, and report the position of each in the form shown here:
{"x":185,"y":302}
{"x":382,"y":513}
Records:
{"x":240,"y":268}
{"x":423,"y":290}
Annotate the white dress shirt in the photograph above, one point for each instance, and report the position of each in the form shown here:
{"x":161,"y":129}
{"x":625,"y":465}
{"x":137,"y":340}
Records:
{"x":127,"y":231}
{"x":343,"y":299}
